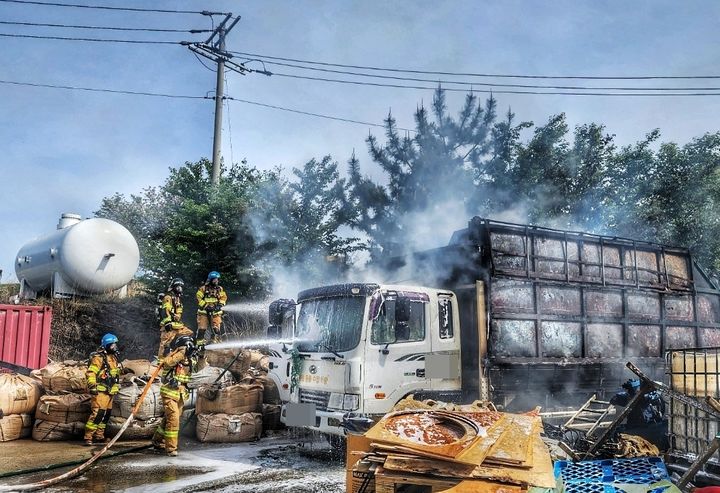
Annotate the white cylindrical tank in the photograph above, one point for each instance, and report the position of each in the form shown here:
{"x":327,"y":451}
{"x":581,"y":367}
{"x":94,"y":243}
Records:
{"x":90,"y":256}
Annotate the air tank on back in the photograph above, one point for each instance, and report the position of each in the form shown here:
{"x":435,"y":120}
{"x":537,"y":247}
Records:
{"x":83,"y":257}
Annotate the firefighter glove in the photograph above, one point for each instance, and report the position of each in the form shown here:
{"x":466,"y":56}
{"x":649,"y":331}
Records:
{"x":168,"y":327}
{"x":93,"y":390}
{"x":210,"y":308}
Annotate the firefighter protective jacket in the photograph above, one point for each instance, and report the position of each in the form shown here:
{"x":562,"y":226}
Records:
{"x":208,"y":294}
{"x":177,"y":369}
{"x":103,"y":372}
{"x":172,"y":311}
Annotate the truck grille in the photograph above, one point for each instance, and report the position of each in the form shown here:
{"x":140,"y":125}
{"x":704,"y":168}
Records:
{"x":317,"y":397}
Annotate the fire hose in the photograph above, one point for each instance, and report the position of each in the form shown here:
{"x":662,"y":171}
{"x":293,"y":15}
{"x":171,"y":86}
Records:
{"x":74,"y":472}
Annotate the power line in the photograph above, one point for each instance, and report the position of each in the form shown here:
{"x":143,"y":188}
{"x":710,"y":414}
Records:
{"x":95,"y":40}
{"x":105,"y":7}
{"x":502,"y":91}
{"x":489,"y":84}
{"x":95,"y":89}
{"x":183,"y":96}
{"x":110,"y":28}
{"x":319,"y":115}
{"x":475,"y":74}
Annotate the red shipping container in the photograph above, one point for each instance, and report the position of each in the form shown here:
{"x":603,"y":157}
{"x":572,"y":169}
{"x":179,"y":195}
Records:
{"x":25,"y":335}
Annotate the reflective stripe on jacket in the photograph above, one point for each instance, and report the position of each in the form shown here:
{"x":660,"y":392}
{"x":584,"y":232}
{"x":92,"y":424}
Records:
{"x":208,"y":294}
{"x":172,"y":310}
{"x":103,"y":372}
{"x":176,"y":373}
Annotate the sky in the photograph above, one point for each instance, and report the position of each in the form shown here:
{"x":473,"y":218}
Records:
{"x":64,"y":150}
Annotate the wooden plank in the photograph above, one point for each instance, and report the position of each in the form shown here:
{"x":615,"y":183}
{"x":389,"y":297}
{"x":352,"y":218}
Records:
{"x":386,"y":482}
{"x":515,"y":445}
{"x":482,"y":486}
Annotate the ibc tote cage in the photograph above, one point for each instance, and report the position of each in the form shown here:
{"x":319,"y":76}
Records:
{"x":695,"y":372}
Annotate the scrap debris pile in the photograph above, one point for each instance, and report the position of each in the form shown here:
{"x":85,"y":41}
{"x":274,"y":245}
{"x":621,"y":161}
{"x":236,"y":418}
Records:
{"x":53,"y":403}
{"x":462,"y":447}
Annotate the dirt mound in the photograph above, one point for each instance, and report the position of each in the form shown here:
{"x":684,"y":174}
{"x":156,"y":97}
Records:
{"x":79,"y":324}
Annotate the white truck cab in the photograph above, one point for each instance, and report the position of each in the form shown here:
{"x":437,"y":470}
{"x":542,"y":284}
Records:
{"x":360,"y":348}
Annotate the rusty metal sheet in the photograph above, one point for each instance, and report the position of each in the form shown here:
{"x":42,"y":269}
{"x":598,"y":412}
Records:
{"x":708,"y":307}
{"x":603,"y":303}
{"x":709,"y":337}
{"x":680,"y":337}
{"x":555,"y":300}
{"x":509,"y":251}
{"x":560,"y":339}
{"x":646,"y":261}
{"x":512,"y":297}
{"x":604,"y":341}
{"x":679,"y":308}
{"x":514,"y":338}
{"x":555,"y":248}
{"x":643,"y":305}
{"x":643,"y":341}
{"x":677,"y":269}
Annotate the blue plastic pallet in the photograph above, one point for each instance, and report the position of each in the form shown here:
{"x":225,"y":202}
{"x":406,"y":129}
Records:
{"x":644,"y":470}
{"x":600,"y":488}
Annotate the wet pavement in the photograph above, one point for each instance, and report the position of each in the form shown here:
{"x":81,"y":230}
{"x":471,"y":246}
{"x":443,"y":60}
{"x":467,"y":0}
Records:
{"x":274,"y":464}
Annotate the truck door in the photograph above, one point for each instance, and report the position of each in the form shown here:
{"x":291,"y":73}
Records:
{"x":398,"y":344}
{"x":442,"y":365}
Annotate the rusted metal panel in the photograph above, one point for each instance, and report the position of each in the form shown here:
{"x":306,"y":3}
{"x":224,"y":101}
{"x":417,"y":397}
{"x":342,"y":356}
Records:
{"x":561,"y":340}
{"x":509,"y":296}
{"x":643,"y":305}
{"x":644,"y":341}
{"x":708,"y":337}
{"x":680,"y":337}
{"x":679,"y":308}
{"x":513,"y":338}
{"x":555,"y":300}
{"x":604,"y":341}
{"x":25,"y":335}
{"x":708,"y":307}
{"x":604,"y":303}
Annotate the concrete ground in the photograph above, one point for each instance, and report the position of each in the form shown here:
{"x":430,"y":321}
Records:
{"x":274,"y":464}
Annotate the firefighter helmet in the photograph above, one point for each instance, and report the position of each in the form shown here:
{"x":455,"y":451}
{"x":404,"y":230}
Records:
{"x":108,"y":339}
{"x":186,"y":341}
{"x":213,"y":275}
{"x":177,"y":282}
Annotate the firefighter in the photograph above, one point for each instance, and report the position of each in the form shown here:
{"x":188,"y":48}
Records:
{"x":171,"y":313}
{"x":103,"y":377}
{"x":211,"y":299}
{"x":177,"y":368}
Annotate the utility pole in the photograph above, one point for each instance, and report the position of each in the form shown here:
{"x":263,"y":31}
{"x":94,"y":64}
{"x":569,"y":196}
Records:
{"x":214,"y":50}
{"x":219,"y":95}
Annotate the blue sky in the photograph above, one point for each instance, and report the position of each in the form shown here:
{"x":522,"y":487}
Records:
{"x":63,"y":151}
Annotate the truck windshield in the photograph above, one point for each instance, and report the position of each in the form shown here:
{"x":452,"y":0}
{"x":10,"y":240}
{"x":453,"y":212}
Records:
{"x":330,"y":324}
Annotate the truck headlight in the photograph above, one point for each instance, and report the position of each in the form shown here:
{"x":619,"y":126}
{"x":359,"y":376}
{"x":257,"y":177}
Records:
{"x":351,"y":402}
{"x":335,"y":401}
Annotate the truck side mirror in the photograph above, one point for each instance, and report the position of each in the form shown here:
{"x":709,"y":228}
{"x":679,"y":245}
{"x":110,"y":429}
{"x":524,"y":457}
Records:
{"x":274,"y":332}
{"x":402,"y":310}
{"x":278,"y":310}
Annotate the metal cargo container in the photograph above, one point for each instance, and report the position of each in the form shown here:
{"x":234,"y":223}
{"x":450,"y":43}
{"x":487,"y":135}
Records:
{"x":24,"y":336}
{"x":561,"y":312}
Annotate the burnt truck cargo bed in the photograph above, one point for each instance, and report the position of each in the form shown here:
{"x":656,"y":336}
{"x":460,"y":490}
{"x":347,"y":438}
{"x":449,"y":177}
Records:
{"x":563,"y":311}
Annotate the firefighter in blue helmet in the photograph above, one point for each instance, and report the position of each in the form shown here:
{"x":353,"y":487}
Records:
{"x":211,"y":299}
{"x":103,"y":379}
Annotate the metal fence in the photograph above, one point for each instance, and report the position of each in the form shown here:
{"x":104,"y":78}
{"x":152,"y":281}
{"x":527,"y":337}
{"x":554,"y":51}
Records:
{"x":695,"y":372}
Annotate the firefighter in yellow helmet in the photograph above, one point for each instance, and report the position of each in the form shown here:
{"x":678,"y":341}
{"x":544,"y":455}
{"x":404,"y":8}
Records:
{"x":211,"y":299}
{"x":103,"y":378}
{"x":177,"y":369}
{"x":171,"y":315}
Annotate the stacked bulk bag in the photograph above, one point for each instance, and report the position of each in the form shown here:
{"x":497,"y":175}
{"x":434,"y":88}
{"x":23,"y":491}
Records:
{"x":271,"y":398}
{"x":68,"y":376}
{"x":208,"y":376}
{"x":222,"y":357}
{"x":235,"y":399}
{"x":15,"y":426}
{"x":19,"y":395}
{"x":65,"y":408}
{"x":138,"y":367}
{"x":49,"y":431}
{"x":229,"y":428}
{"x":138,"y":429}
